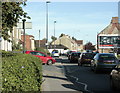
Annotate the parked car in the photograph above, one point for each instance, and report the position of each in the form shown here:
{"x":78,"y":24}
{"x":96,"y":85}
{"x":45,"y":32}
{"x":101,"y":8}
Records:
{"x":69,"y":53}
{"x":74,"y":57}
{"x":45,"y":58}
{"x":55,"y":53}
{"x":103,"y":61}
{"x":85,"y":58}
{"x":115,"y":78}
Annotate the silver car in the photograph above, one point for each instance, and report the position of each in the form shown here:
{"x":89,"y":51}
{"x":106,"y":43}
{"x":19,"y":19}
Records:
{"x":103,"y":61}
{"x":115,"y":78}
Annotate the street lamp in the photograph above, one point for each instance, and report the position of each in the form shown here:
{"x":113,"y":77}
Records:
{"x":54,"y":34}
{"x":24,"y":35}
{"x":47,"y":2}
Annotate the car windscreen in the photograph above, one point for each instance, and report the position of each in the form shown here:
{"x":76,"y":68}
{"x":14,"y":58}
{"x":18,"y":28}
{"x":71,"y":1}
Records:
{"x":107,"y":57}
{"x":37,"y":53}
{"x":55,"y":51}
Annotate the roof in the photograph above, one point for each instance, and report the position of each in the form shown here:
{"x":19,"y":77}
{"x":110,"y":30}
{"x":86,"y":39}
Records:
{"x":57,"y":47}
{"x":79,"y":42}
{"x":112,"y":28}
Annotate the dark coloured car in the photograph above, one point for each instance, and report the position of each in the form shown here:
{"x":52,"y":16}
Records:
{"x":69,"y":53}
{"x":103,"y":61}
{"x":85,"y":58}
{"x":115,"y":78}
{"x":74,"y":57}
{"x":45,"y":58}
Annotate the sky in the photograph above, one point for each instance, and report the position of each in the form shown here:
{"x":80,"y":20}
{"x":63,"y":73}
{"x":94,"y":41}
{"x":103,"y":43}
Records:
{"x":82,"y":20}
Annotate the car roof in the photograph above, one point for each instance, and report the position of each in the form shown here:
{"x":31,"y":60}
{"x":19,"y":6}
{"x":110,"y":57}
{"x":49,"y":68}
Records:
{"x":106,"y":53}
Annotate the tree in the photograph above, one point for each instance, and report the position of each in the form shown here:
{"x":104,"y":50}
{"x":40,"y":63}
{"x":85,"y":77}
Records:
{"x":89,"y":46}
{"x":61,"y":35}
{"x":74,"y":38}
{"x":53,"y":38}
{"x":12,"y":12}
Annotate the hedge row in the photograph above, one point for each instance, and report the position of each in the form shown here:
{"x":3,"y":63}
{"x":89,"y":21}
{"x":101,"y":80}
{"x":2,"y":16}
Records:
{"x":21,"y":72}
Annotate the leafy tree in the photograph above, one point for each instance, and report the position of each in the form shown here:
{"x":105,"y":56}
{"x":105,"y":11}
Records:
{"x":53,"y":38}
{"x":89,"y":46}
{"x":74,"y":38}
{"x":61,"y":35}
{"x":12,"y":12}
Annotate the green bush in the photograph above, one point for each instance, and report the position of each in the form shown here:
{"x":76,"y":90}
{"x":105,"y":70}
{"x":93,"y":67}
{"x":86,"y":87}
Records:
{"x":21,"y":72}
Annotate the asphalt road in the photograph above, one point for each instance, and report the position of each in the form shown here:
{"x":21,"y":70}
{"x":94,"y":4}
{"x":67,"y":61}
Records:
{"x":83,"y":78}
{"x":86,"y":80}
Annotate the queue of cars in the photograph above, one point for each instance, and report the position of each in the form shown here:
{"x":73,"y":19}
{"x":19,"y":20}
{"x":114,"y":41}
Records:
{"x":100,"y":62}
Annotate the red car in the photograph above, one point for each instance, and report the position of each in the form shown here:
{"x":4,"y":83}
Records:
{"x":45,"y":58}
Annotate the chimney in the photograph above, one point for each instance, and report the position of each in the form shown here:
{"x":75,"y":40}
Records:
{"x":114,"y":20}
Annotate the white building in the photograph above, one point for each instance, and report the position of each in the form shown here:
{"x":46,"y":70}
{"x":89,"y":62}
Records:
{"x":15,"y":36}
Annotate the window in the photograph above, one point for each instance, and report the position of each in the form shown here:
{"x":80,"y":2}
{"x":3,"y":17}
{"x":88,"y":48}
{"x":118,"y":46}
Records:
{"x":37,"y":53}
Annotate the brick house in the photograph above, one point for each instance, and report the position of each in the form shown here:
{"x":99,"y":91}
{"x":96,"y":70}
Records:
{"x":107,"y":39}
{"x":29,"y":42}
{"x":41,"y":42}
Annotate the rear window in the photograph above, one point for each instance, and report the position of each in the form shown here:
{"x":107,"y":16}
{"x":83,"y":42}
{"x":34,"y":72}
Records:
{"x":107,"y":57}
{"x":76,"y":54}
{"x":88,"y":55}
{"x":55,"y":51}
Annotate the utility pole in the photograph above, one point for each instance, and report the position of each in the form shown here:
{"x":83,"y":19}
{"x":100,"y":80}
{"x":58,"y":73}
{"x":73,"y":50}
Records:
{"x":47,"y":2}
{"x":54,"y":34}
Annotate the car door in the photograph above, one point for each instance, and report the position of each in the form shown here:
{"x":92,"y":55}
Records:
{"x":119,"y":76}
{"x":115,"y":76}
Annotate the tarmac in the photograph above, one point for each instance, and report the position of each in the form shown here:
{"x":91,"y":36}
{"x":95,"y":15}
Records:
{"x":57,"y":82}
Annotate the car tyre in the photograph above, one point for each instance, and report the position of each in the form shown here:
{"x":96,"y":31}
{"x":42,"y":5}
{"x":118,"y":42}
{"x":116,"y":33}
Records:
{"x":49,"y":62}
{"x":91,"y":68}
{"x":112,"y":86}
{"x":95,"y":69}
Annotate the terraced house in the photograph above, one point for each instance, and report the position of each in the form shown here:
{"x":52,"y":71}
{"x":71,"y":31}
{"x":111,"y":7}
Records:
{"x":108,"y":40}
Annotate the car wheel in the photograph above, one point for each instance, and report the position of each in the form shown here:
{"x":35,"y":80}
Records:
{"x":112,"y":86}
{"x":91,"y":68}
{"x":78,"y":64}
{"x":49,"y":62}
{"x":95,"y":69}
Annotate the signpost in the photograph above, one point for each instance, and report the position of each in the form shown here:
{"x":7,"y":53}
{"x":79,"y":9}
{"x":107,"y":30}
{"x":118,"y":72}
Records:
{"x":24,"y":25}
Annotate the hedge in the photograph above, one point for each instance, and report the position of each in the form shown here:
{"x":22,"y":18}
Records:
{"x":21,"y":72}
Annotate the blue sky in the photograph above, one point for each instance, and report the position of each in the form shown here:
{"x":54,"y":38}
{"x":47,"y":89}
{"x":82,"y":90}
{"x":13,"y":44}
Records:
{"x":83,"y":20}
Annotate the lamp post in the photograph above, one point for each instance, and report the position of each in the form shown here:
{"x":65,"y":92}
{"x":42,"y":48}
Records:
{"x":24,"y":35}
{"x":47,"y":2}
{"x":54,"y":34}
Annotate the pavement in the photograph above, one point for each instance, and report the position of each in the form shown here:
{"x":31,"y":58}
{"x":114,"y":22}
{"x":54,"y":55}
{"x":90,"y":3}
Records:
{"x":57,"y":81}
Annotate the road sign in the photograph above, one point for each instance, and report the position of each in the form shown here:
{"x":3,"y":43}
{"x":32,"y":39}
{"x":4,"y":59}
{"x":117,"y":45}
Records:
{"x":28,"y":25}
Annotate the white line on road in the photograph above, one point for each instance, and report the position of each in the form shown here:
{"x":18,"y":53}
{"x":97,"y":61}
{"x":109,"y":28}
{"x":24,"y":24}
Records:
{"x":76,"y":80}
